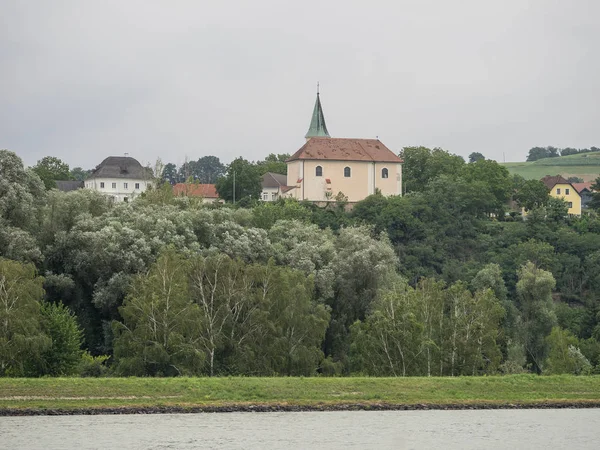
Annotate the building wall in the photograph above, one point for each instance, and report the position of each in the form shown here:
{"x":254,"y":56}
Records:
{"x":365,"y":178}
{"x":269,"y":194}
{"x":569,"y":194}
{"x":119,"y":193}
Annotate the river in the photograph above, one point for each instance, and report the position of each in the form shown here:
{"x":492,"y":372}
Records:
{"x":473,"y":429}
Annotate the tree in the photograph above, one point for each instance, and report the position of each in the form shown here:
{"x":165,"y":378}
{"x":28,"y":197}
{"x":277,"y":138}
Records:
{"x":207,"y":169}
{"x":64,"y":354}
{"x":575,"y":179}
{"x":532,"y":194}
{"x":564,"y":355}
{"x":536,"y":153}
{"x":247,"y":181}
{"x":169,"y":174}
{"x":475,"y":156}
{"x":274,"y":163}
{"x":534,"y":291}
{"x":50,"y":169}
{"x":494,"y":175}
{"x":79,"y":174}
{"x":595,"y":202}
{"x":22,"y":193}
{"x":22,"y":341}
{"x":159,"y":333}
{"x":421,"y":165}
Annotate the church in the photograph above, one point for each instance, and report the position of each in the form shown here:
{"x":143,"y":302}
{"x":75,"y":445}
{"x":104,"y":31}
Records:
{"x":326,"y":168}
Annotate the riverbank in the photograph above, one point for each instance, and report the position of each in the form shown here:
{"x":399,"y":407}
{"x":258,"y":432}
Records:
{"x":26,"y":396}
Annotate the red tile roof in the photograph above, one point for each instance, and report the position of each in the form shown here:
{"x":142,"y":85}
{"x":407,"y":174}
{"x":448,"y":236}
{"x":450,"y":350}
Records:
{"x":581,"y":186}
{"x":342,"y":149}
{"x":550,"y":181}
{"x":196,"y":190}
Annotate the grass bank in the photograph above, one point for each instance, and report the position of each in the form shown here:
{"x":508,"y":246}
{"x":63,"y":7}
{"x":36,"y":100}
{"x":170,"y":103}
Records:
{"x":89,"y":395}
{"x":584,"y":165}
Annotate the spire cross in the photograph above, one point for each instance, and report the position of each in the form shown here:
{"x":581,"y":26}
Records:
{"x":317,"y":88}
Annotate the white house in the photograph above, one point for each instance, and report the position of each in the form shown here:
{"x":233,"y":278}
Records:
{"x":274,"y":186}
{"x":120,"y":177}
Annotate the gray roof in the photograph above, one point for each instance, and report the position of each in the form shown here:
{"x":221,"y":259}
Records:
{"x":120,"y":167}
{"x":273,"y":180}
{"x":69,"y":185}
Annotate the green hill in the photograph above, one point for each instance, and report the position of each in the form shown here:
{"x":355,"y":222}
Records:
{"x":583,"y":165}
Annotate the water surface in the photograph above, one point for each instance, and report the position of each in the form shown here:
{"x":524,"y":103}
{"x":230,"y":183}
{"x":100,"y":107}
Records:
{"x":477,"y":429}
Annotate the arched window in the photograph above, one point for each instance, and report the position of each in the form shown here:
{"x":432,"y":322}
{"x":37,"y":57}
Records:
{"x":347,"y":172}
{"x":384,"y":173}
{"x":319,"y":171}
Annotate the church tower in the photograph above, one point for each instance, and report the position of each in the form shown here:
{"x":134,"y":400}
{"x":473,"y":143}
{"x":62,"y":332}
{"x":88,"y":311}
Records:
{"x":317,"y":123}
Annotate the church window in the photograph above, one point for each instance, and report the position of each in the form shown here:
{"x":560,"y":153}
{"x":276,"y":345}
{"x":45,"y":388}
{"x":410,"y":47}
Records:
{"x":347,"y":172}
{"x":319,"y":171}
{"x":384,"y":173}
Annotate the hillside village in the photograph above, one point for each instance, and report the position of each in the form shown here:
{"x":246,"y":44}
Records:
{"x":324,"y":170}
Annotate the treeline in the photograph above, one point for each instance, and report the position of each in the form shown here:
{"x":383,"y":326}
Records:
{"x":536,"y":153}
{"x":441,"y":281}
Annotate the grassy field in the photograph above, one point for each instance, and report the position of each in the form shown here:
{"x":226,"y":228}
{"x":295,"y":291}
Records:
{"x":81,"y":393}
{"x":585,"y":165}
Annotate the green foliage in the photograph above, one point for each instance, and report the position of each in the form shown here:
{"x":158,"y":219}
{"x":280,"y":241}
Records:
{"x":50,"y":169}
{"x":532,"y":194}
{"x":274,"y":163}
{"x":537,"y":311}
{"x":421,"y":165}
{"x":64,"y":354}
{"x":159,"y":333}
{"x":564,"y":355}
{"x":247,"y":181}
{"x":22,"y":340}
{"x":476,"y":156}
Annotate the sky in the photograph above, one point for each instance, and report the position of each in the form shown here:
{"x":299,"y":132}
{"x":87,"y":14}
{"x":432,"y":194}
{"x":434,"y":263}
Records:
{"x":179,"y":79}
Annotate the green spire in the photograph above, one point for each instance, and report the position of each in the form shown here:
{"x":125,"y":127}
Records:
{"x":317,"y":123}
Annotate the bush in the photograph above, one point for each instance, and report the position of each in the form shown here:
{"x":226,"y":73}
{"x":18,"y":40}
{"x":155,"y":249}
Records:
{"x":92,"y":366}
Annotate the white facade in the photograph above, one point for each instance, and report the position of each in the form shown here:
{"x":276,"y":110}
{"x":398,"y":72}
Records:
{"x":119,"y":189}
{"x":269,"y":194}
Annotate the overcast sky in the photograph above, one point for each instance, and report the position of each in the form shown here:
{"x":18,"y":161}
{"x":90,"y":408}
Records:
{"x":84,"y":80}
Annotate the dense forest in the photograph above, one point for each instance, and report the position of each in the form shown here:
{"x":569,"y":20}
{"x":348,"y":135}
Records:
{"x":445,"y":280}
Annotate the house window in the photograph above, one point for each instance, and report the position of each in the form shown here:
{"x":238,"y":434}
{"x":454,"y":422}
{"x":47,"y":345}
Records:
{"x":102,"y":185}
{"x":274,"y":196}
{"x":125,"y":185}
{"x":570,"y":204}
{"x":347,"y":172}
{"x":114,"y":185}
{"x":137,"y":185}
{"x":265,"y":196}
{"x":567,"y":191}
{"x":384,"y":173}
{"x":319,"y":171}
{"x":557,"y":191}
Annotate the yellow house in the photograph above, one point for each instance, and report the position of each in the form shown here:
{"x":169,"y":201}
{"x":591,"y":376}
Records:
{"x":325,"y":167}
{"x":561,"y":188}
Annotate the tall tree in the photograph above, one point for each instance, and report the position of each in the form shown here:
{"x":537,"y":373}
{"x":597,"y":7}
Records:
{"x":22,"y":340}
{"x":274,"y":163}
{"x":159,"y":333}
{"x":79,"y":174}
{"x":50,"y":169}
{"x":532,"y":194}
{"x":534,"y":291}
{"x":246,"y":177}
{"x":476,"y":156}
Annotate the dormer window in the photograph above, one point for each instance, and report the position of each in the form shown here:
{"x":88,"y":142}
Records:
{"x":384,"y":173}
{"x":347,"y":172}
{"x":319,"y":171}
